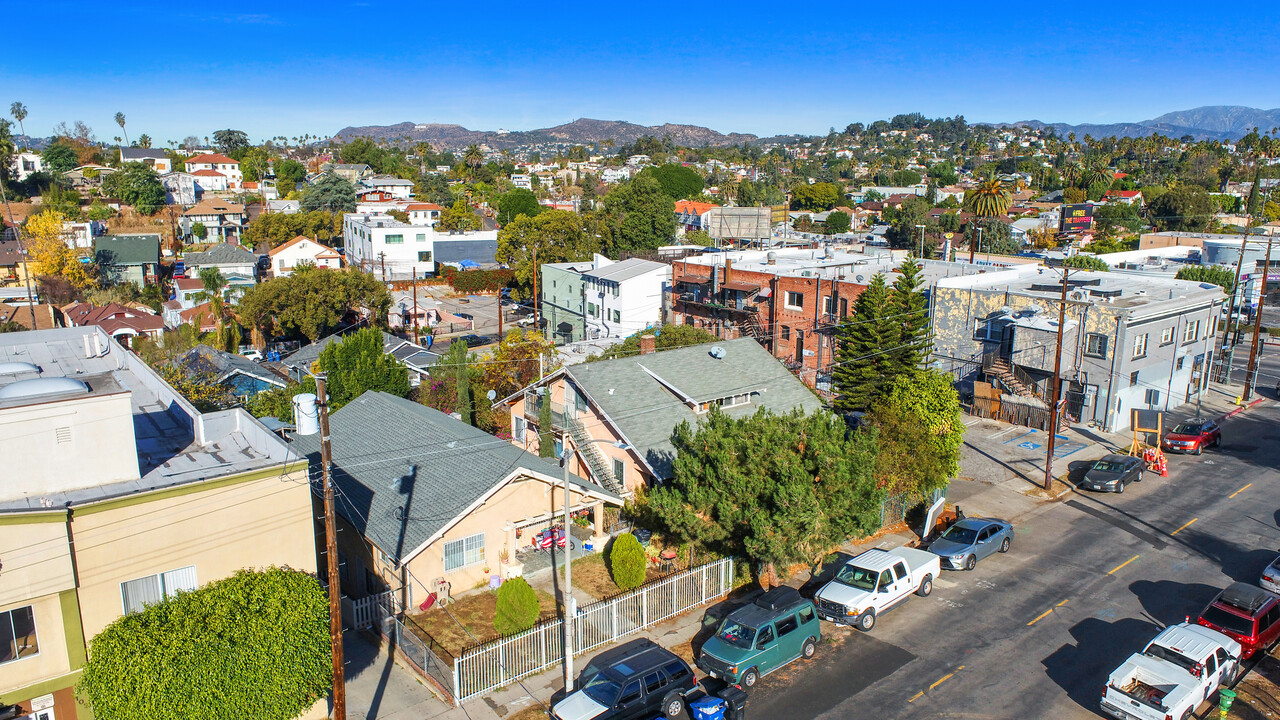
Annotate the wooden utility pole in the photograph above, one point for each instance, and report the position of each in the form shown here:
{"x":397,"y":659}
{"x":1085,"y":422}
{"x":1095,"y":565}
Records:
{"x":1056,"y":401}
{"x":570,"y":605}
{"x":1251,"y":375}
{"x":974,"y":248}
{"x":499,"y":315}
{"x":383,"y":257}
{"x":415,"y":307}
{"x":331,"y":556}
{"x":22,"y":251}
{"x":535,"y":287}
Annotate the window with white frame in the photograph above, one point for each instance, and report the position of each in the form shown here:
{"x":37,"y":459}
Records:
{"x":1140,"y":346}
{"x":794,"y":301}
{"x":827,"y":307}
{"x":1166,"y":336}
{"x":18,"y":634}
{"x":464,"y":552}
{"x":1192,"y":332}
{"x":137,"y":594}
{"x":620,"y":472}
{"x":518,"y":425}
{"x":617,"y":316}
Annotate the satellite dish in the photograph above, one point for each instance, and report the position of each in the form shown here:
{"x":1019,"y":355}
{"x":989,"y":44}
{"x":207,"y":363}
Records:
{"x":717,"y":352}
{"x":491,"y":395}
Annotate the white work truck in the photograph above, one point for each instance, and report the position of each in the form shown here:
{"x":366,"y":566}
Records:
{"x":1176,"y":672}
{"x":875,"y":582}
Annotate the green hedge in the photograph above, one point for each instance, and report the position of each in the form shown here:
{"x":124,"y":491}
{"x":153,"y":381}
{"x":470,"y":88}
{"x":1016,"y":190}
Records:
{"x":474,"y":281}
{"x":627,"y":562}
{"x":253,"y":645}
{"x":517,"y":609}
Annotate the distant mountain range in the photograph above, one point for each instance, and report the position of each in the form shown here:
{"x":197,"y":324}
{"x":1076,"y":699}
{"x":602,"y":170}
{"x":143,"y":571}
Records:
{"x":579,"y":132}
{"x":1212,"y":122}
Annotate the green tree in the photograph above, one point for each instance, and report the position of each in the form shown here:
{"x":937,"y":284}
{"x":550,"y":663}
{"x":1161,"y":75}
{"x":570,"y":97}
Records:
{"x":902,"y":232}
{"x":677,"y":181}
{"x":313,"y":301}
{"x":516,"y":361}
{"x":455,"y":364}
{"x":289,"y":173}
{"x":817,"y":197}
{"x":837,"y":222}
{"x":641,"y":216}
{"x":256,"y":642}
{"x":997,"y":237}
{"x":278,"y":228}
{"x":627,"y":562}
{"x":199,"y":231}
{"x":990,"y":199}
{"x":909,"y":308}
{"x":357,"y":364}
{"x":230,"y":142}
{"x":920,"y":433}
{"x":1086,"y":262}
{"x":546,"y":433}
{"x":517,"y":607}
{"x":59,"y":157}
{"x":473,"y":159}
{"x":1186,"y":208}
{"x":699,"y":237}
{"x":1224,"y":278}
{"x":120,"y":122}
{"x":137,"y":185}
{"x":518,"y":202}
{"x":1112,"y":218}
{"x":331,"y":193}
{"x":555,"y":236}
{"x":459,"y":217}
{"x":773,"y":489}
{"x":865,"y":342}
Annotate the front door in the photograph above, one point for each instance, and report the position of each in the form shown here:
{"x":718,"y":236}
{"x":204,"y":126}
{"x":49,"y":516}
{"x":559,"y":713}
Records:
{"x":800,"y":346}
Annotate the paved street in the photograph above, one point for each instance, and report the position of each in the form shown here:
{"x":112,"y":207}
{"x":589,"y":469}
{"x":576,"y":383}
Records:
{"x":1035,"y":633}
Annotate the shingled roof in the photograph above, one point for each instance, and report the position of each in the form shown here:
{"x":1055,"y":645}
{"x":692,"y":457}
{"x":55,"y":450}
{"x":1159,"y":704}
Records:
{"x":405,"y":472}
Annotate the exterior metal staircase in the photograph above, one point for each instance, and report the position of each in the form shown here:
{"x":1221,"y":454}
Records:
{"x":596,"y":462}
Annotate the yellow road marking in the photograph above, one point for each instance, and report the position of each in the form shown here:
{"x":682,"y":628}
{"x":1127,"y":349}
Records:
{"x":1121,"y":565}
{"x":1246,"y":487}
{"x":1040,"y":617}
{"x":916,"y":696}
{"x":941,"y":680}
{"x":1184,"y":527}
{"x":1064,"y":602}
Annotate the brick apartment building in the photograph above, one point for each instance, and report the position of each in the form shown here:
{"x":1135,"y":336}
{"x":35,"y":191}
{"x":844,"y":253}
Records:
{"x":788,"y":300}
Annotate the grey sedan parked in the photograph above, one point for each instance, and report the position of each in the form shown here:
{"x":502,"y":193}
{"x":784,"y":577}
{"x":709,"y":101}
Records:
{"x":1112,"y":473}
{"x":970,"y":540}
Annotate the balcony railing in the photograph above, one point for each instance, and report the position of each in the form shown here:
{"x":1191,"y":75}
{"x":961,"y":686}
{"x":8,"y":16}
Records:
{"x":533,"y":407}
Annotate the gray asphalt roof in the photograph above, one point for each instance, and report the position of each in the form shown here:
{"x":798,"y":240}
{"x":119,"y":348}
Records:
{"x":309,"y":354}
{"x":203,"y":358}
{"x":130,"y":154}
{"x":221,"y":254}
{"x":635,"y":391}
{"x":404,"y":471}
{"x":449,"y":250}
{"x":625,"y":270}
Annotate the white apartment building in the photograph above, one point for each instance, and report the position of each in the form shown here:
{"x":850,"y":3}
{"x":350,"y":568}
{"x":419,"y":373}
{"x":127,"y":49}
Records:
{"x":522,"y":181}
{"x":219,"y":163}
{"x":623,"y":298}
{"x":388,"y":248}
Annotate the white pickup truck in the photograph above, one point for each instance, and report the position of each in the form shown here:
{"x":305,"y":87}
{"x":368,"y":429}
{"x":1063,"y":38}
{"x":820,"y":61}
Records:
{"x":874,"y":582}
{"x":1176,"y":672}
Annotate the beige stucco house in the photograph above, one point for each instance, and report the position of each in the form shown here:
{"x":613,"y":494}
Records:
{"x":424,"y":497}
{"x":118,"y":493}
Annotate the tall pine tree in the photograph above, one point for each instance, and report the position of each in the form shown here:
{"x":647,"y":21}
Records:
{"x":865,"y":362}
{"x":910,"y":308}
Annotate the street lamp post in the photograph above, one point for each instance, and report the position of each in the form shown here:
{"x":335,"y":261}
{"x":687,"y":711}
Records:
{"x":921,"y":241}
{"x":569,"y":604}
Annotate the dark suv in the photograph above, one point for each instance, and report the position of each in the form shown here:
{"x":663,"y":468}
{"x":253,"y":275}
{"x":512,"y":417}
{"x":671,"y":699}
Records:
{"x":637,"y":680}
{"x":1247,"y":614}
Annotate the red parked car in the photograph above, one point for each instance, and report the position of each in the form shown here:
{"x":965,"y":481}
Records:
{"x":1246,"y":613}
{"x":1193,"y":437}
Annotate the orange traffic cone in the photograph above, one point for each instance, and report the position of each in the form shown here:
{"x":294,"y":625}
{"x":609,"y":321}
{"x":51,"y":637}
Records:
{"x":1163,"y":464}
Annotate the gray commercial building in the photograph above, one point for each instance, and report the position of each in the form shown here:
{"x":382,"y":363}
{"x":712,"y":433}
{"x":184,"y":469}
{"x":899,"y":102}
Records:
{"x":563,"y":304}
{"x":1129,"y":342}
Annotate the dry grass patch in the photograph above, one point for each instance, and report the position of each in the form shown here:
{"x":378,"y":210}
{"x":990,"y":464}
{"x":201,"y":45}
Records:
{"x":591,"y":575}
{"x":466,"y":621}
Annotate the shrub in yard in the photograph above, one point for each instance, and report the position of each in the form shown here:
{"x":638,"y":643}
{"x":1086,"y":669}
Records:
{"x":517,"y":609}
{"x":627,"y":562}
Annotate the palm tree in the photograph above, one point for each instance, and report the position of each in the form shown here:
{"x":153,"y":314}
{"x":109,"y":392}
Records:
{"x":120,"y":122}
{"x":473,"y":157}
{"x":989,"y":200}
{"x":1096,"y":172}
{"x":228,"y":336}
{"x":19,"y":113}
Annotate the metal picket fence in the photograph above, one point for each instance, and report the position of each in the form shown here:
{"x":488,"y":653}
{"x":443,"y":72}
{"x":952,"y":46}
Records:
{"x":497,"y":663}
{"x":422,"y":657}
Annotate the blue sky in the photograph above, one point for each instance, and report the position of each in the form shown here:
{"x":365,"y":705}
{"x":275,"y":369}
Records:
{"x":287,"y":68}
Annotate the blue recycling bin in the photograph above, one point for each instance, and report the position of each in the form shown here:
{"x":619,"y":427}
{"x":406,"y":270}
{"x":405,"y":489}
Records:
{"x":708,"y":708}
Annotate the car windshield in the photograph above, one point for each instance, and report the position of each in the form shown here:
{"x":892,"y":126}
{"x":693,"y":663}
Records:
{"x":602,"y":689}
{"x":1163,"y":653}
{"x":1188,"y":429}
{"x":857,"y":577}
{"x":1228,"y":621}
{"x":737,"y":634}
{"x":1108,"y":467}
{"x":961,"y":535}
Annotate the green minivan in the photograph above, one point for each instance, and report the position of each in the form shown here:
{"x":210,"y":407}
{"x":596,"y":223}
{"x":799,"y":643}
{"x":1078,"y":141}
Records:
{"x":779,"y":627}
